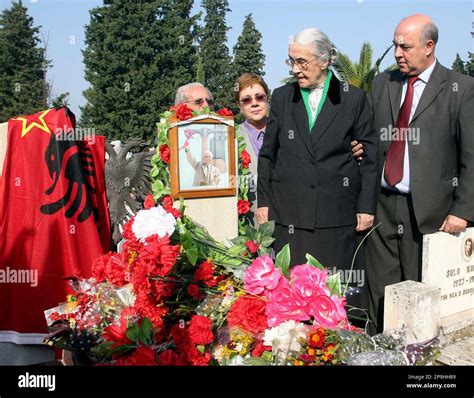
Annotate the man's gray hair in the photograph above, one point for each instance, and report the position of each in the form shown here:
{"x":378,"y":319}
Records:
{"x":318,"y":42}
{"x":208,"y":153}
{"x":429,"y":32}
{"x":181,"y":94}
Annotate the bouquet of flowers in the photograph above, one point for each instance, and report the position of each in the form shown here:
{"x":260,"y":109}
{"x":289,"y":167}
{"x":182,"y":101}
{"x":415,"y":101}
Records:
{"x":175,"y":296}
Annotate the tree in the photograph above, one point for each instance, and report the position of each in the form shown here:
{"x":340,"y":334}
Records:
{"x":200,"y":75}
{"x":215,"y":54}
{"x":469,"y":66}
{"x":464,"y":67}
{"x":361,"y":74}
{"x":137,"y":54}
{"x":458,"y":65}
{"x":248,"y":54}
{"x":23,"y":86}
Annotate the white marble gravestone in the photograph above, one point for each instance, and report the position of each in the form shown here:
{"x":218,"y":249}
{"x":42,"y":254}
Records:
{"x":448,"y":263}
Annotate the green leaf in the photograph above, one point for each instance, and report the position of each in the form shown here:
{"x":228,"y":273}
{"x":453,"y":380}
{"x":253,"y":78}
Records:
{"x":201,"y":348}
{"x":192,"y":255}
{"x":256,"y":361}
{"x":312,"y":261}
{"x":267,"y":355}
{"x":133,"y":332}
{"x":154,"y":172}
{"x":249,"y":232}
{"x":147,"y":328}
{"x":283,"y":260}
{"x":267,"y":228}
{"x":334,"y":284}
{"x":267,"y":241}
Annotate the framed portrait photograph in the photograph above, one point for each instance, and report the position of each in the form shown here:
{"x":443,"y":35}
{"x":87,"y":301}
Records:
{"x":202,"y":158}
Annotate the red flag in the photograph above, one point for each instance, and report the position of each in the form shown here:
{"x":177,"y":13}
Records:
{"x":53,"y":218}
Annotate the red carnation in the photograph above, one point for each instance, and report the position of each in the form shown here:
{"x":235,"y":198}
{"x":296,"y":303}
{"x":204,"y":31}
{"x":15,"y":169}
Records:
{"x":205,"y":273}
{"x":259,"y":349}
{"x":165,"y":153}
{"x":248,"y":313}
{"x":195,"y":292}
{"x":200,"y":330}
{"x":243,"y":206}
{"x":196,"y":358}
{"x":142,"y":356}
{"x":167,"y":204}
{"x":149,"y":202}
{"x":245,"y":158}
{"x":170,"y":358}
{"x":225,"y":112}
{"x":252,"y":246}
{"x":183,"y":112}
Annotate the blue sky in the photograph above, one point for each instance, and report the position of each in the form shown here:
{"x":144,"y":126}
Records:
{"x":348,"y":23}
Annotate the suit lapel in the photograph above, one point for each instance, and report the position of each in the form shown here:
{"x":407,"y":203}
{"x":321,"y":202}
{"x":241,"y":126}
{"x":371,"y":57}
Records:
{"x":328,"y":112}
{"x":395,"y":94}
{"x":301,"y":118}
{"x":435,"y":85}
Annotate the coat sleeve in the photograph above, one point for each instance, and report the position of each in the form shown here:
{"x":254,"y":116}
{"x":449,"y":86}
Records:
{"x":369,"y":175}
{"x":267,"y":154}
{"x":463,"y":205}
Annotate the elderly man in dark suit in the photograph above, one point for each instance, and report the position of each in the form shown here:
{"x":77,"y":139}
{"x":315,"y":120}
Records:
{"x":424,"y":116}
{"x":308,"y":180}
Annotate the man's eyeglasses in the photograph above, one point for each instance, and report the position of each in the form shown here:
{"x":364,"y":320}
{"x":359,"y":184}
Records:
{"x":247,"y":100}
{"x":200,"y":101}
{"x":303,"y":65}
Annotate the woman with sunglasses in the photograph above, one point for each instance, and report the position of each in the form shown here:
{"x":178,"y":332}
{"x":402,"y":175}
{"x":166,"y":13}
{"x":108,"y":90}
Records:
{"x":252,"y":100}
{"x":308,"y":180}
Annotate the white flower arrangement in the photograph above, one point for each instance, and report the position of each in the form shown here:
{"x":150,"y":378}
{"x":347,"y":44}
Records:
{"x":284,"y":339}
{"x":153,"y":221}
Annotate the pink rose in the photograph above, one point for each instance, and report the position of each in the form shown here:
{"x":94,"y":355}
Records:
{"x":261,"y":276}
{"x":305,"y":290}
{"x":307,"y":272}
{"x":327,"y":312}
{"x":283,"y":305}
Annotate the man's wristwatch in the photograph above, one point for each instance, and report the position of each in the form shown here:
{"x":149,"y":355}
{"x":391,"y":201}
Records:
{"x":186,"y":150}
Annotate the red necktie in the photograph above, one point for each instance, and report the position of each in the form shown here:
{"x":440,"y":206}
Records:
{"x":394,"y":163}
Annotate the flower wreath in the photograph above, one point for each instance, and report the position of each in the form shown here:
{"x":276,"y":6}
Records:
{"x":160,"y":161}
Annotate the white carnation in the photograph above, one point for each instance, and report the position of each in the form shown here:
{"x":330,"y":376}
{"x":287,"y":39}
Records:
{"x":285,"y":338}
{"x":153,"y":221}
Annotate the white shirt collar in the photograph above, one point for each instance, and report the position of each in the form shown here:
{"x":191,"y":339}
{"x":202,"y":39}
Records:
{"x":426,"y":74}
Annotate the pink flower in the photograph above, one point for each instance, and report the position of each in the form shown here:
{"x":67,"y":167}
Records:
{"x":307,"y":272}
{"x":261,"y":276}
{"x":283,"y":305}
{"x":327,"y":311}
{"x":305,"y":290}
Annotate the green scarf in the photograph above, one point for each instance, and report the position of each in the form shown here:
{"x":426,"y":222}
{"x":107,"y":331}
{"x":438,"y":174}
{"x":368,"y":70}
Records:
{"x":305,"y":94}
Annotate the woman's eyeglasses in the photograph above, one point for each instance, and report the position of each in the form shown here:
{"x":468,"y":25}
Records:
{"x":247,"y":100}
{"x":200,"y":101}
{"x":303,"y":65}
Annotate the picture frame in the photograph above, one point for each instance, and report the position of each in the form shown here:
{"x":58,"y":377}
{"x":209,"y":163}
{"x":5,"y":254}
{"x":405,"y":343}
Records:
{"x":202,"y":158}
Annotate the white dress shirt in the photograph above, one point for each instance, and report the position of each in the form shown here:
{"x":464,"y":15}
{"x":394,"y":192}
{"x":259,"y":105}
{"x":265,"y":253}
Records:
{"x":418,"y":87}
{"x":314,"y":100}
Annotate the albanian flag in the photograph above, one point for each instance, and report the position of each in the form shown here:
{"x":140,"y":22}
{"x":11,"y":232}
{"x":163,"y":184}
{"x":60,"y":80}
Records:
{"x":53,"y":218}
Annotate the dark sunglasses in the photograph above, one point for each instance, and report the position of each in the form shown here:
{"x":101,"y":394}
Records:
{"x":200,"y":101}
{"x":248,"y":99}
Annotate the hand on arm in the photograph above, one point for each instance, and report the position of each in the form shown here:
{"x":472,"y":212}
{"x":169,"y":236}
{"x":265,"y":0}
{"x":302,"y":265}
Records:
{"x":364,"y":221}
{"x":357,"y":150}
{"x":453,"y":224}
